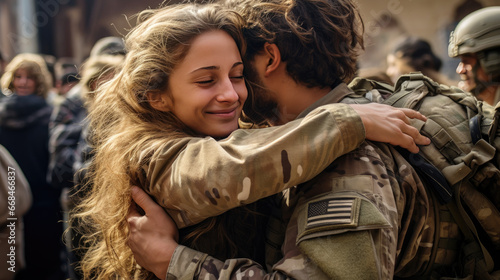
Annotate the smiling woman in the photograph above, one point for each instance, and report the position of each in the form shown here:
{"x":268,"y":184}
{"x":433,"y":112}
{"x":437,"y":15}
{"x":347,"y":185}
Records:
{"x":207,"y":89}
{"x":167,"y":122}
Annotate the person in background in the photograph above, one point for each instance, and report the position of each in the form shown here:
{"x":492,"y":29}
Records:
{"x":476,"y":40}
{"x":95,"y":71}
{"x":13,"y":184}
{"x":67,"y":120}
{"x":413,"y":54}
{"x":3,"y":62}
{"x":67,"y":82}
{"x":53,"y":97}
{"x":68,"y":129}
{"x":24,"y":120}
{"x":67,"y":76}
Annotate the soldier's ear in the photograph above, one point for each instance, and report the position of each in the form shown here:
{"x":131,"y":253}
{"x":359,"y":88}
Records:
{"x":274,"y":57}
{"x":159,"y":101}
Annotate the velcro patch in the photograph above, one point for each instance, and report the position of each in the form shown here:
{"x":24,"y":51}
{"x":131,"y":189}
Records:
{"x":335,"y":211}
{"x":327,"y":215}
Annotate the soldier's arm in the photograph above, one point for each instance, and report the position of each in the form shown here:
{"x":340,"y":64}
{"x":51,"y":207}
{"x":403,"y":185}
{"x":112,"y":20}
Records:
{"x":153,"y":240}
{"x":190,"y":264}
{"x":197,"y":178}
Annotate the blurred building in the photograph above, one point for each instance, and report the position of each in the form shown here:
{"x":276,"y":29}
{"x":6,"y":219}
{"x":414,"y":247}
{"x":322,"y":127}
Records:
{"x":69,"y":28}
{"x":64,"y":28}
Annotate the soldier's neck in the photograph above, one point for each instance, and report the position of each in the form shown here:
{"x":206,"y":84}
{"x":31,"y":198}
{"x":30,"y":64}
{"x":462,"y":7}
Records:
{"x":296,"y":98}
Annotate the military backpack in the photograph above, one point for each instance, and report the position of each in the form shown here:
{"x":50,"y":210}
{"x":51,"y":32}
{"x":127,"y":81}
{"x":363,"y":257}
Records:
{"x":462,"y":165}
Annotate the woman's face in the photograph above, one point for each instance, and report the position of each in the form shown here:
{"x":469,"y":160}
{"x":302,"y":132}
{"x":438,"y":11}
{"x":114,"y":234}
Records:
{"x":396,"y":67}
{"x":207,"y":89}
{"x":24,"y":83}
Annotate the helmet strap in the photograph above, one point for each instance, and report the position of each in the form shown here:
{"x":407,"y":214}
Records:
{"x":480,"y":85}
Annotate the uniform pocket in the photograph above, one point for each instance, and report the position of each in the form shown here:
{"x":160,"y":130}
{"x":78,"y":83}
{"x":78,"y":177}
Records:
{"x":337,"y":213}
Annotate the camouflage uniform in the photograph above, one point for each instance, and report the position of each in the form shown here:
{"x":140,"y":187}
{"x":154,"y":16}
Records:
{"x":382,"y":224}
{"x":274,"y":158}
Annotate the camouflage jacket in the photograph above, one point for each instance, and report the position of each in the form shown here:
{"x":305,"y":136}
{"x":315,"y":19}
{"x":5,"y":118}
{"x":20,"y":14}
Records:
{"x":197,"y":178}
{"x":366,"y":216}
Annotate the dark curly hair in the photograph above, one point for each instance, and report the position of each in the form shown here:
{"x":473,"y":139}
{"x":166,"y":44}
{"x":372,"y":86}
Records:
{"x":419,"y":53}
{"x":319,"y":39}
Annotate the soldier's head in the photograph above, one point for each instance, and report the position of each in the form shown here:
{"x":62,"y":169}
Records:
{"x":476,"y":40}
{"x":317,"y":41}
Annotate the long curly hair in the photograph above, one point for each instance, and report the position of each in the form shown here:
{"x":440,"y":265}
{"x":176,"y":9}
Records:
{"x":127,"y":131}
{"x":35,"y":65}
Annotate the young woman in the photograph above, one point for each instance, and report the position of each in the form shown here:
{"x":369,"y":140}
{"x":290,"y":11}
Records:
{"x":167,"y":121}
{"x":24,"y":120}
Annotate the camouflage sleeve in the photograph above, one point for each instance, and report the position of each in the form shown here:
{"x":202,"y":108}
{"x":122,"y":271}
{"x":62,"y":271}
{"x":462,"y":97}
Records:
{"x":190,"y":264}
{"x":197,"y":178}
{"x":65,"y":129}
{"x":365,"y":217}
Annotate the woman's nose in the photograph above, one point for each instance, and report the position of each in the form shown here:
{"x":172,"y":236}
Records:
{"x":227,"y":92}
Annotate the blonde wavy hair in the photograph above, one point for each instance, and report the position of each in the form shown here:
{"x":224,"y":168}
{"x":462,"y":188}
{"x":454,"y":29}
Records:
{"x":127,"y":131}
{"x":35,"y":65}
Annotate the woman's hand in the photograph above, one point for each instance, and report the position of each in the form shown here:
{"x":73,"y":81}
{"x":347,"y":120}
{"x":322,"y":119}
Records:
{"x":384,"y":123}
{"x":153,"y":236}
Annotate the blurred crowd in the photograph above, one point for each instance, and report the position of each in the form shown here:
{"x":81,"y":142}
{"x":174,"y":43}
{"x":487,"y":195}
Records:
{"x":42,"y":126}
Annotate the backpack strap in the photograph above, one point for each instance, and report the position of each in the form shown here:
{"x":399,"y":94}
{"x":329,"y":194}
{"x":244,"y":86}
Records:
{"x":405,"y":85}
{"x":429,"y":174}
{"x":442,"y":140}
{"x":475,"y":128}
{"x":481,"y":153}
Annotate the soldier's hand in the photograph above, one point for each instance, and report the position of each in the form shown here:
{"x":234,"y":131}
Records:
{"x":153,"y":236}
{"x":384,"y":123}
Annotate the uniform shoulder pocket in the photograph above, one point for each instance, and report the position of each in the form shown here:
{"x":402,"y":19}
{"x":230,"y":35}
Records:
{"x":337,"y":213}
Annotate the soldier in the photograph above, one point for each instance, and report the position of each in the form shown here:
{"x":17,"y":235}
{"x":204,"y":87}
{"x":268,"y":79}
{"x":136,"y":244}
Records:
{"x":158,"y":121}
{"x":367,"y":216}
{"x":476,"y":40}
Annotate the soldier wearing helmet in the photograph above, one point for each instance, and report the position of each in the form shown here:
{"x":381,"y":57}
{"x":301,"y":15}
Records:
{"x":476,"y":40}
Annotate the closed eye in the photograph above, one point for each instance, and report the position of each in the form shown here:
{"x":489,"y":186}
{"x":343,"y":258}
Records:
{"x":204,"y":82}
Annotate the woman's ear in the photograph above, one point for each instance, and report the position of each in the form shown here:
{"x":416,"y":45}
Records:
{"x":159,"y":101}
{"x":274,"y":56}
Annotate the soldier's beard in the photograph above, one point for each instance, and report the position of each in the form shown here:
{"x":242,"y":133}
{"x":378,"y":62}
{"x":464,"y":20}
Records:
{"x":259,"y":106}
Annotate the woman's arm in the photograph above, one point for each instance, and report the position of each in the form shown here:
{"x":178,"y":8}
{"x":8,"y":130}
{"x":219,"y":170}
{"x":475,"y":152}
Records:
{"x":197,"y":178}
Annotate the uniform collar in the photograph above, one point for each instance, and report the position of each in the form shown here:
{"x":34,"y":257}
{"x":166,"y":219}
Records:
{"x":334,"y":96}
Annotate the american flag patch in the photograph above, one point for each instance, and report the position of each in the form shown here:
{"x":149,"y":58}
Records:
{"x":330,"y":211}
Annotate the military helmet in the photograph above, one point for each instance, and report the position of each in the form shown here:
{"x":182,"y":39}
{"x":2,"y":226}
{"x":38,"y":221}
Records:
{"x":476,"y":32}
